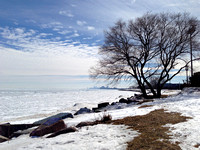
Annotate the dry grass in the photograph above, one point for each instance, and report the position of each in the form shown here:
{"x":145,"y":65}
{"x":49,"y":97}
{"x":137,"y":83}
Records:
{"x":164,"y":96}
{"x":103,"y":119}
{"x":153,"y":136}
{"x":145,"y":106}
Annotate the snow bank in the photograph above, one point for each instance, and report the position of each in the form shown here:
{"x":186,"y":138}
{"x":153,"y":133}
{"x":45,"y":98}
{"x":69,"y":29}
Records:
{"x":99,"y":137}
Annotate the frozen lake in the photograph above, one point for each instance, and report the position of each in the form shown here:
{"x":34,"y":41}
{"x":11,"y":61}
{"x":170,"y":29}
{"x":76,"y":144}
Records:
{"x":29,"y":104}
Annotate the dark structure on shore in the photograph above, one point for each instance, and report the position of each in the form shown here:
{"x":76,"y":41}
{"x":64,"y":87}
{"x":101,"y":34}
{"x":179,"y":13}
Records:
{"x":195,"y":80}
{"x":172,"y":86}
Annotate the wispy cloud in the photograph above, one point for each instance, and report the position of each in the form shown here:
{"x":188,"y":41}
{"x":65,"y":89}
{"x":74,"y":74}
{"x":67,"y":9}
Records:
{"x":62,"y":33}
{"x":81,"y":23}
{"x":91,"y":28}
{"x":53,"y":56}
{"x":56,"y":26}
{"x":66,"y":13}
{"x":16,"y":33}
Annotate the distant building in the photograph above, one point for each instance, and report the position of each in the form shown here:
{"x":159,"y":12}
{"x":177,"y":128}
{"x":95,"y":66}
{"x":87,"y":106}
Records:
{"x":172,"y":86}
{"x":195,"y":80}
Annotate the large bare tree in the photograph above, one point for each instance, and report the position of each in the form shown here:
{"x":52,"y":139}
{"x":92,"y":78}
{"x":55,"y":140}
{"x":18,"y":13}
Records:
{"x":151,"y":49}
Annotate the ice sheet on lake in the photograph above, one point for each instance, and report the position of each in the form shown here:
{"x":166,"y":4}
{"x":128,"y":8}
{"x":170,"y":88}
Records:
{"x":23,"y":105}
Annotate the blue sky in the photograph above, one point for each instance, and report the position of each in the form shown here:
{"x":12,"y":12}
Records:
{"x":62,"y":37}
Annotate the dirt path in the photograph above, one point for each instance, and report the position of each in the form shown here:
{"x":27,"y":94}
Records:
{"x":153,"y":136}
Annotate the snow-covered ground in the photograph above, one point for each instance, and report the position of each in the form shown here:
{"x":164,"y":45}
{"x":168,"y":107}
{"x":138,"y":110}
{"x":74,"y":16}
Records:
{"x":112,"y":137}
{"x":187,"y":103}
{"x":99,"y":137}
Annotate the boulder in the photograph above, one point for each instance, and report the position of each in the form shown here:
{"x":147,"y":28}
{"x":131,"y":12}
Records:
{"x":128,"y":100}
{"x":57,"y":117}
{"x":134,"y":98}
{"x":123,"y":100}
{"x":83,"y":111}
{"x":116,"y":106}
{"x":7,"y":130}
{"x":138,"y":96}
{"x":46,"y":129}
{"x":22,"y":132}
{"x":113,"y":103}
{"x":102,"y":105}
{"x":62,"y":131}
{"x":51,"y":121}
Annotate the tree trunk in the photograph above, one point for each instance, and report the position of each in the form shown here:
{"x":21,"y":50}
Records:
{"x":142,"y":89}
{"x":158,"y":95}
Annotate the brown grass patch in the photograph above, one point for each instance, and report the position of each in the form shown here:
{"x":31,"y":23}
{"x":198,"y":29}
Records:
{"x":153,"y":136}
{"x":103,"y":119}
{"x":164,"y":96}
{"x":197,"y":145}
{"x":145,"y":106}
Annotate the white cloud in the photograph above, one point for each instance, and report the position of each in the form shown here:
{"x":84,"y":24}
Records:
{"x":66,"y":13}
{"x":73,"y":35}
{"x":20,"y":63}
{"x":43,"y":35}
{"x":81,"y":23}
{"x":16,"y":33}
{"x":90,"y":28}
{"x":73,"y":5}
{"x":133,"y":1}
{"x":87,"y":38}
{"x":55,"y":25}
{"x":64,"y":32}
{"x":16,"y":23}
{"x":31,"y":21}
{"x":38,"y":56}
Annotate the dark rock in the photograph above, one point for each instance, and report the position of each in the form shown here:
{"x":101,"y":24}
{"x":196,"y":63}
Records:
{"x":113,"y":103}
{"x":8,"y":129}
{"x":119,"y":107}
{"x":132,"y":98}
{"x":5,"y":130}
{"x":63,"y":131}
{"x":138,"y":96}
{"x":129,"y":100}
{"x":46,"y":129}
{"x":22,"y":132}
{"x":51,"y":121}
{"x":123,"y":100}
{"x":102,"y":105}
{"x":57,"y":117}
{"x":83,"y":124}
{"x":16,"y":134}
{"x":83,"y":111}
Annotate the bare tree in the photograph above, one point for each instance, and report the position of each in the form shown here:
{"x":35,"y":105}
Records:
{"x":150,"y":48}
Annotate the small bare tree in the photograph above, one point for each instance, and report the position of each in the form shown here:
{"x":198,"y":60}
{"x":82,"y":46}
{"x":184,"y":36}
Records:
{"x":149,"y":49}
